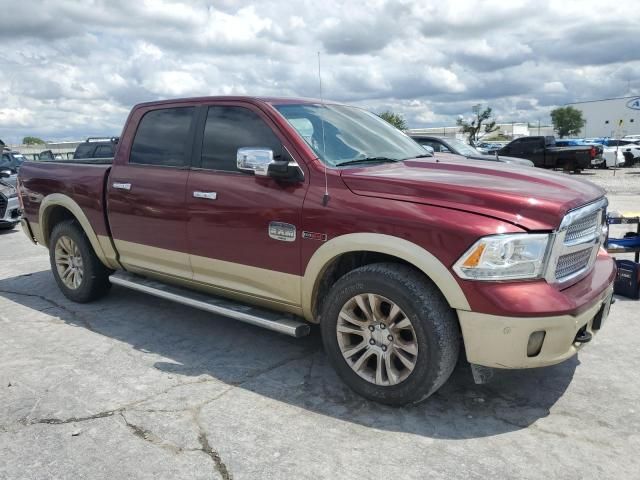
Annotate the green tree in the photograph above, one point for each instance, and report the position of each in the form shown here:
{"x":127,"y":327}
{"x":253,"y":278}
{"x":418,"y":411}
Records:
{"x":481,"y":124}
{"x":394,"y":119}
{"x":567,"y":121}
{"x":33,"y":141}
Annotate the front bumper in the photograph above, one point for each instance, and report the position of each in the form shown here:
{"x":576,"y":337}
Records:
{"x":12,"y":213}
{"x":499,"y":341}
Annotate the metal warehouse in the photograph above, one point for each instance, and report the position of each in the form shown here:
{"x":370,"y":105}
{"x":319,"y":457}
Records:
{"x":612,"y":117}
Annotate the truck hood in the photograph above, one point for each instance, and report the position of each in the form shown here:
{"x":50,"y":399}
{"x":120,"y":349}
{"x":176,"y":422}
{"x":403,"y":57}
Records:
{"x":528,"y":197}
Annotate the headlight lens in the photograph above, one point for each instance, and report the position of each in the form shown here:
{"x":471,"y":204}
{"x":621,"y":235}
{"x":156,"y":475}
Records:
{"x":504,"y":257}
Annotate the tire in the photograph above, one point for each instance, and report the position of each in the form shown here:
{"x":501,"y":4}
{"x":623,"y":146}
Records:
{"x":434,"y":333}
{"x":93,"y":282}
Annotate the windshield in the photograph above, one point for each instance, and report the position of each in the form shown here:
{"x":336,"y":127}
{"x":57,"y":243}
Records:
{"x":463,"y":148}
{"x":339,"y":134}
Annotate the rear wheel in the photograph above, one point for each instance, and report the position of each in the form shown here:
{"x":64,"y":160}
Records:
{"x":389,"y":333}
{"x":78,"y":272}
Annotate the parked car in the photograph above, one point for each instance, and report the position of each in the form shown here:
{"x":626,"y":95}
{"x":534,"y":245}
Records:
{"x":632,"y":137}
{"x":598,"y":160}
{"x":613,"y":157}
{"x":489,"y":148}
{"x":285,"y":212}
{"x":455,"y":146}
{"x":49,"y":156}
{"x":10,"y":213}
{"x":11,"y":160}
{"x":631,"y":146}
{"x":544,"y":153}
{"x":96,"y":147}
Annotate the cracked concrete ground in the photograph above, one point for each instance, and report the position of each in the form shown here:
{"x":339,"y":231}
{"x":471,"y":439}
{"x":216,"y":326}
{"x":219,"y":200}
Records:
{"x":135,"y":387}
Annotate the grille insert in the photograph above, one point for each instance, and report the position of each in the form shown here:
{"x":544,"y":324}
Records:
{"x":573,"y":263}
{"x":583,"y":229}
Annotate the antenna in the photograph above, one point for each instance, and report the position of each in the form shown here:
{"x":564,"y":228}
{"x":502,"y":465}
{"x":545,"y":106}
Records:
{"x":325,"y":197}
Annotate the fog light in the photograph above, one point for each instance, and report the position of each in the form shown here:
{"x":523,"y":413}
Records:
{"x":535,"y":343}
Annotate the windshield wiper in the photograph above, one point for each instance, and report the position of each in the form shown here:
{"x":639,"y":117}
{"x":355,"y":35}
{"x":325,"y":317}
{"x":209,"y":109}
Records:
{"x":368,"y":160}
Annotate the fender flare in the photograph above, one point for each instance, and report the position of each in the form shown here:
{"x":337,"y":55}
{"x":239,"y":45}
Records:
{"x":101,"y":245}
{"x":379,"y":243}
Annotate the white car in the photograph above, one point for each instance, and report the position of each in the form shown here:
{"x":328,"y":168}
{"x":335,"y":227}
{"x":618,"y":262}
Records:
{"x":633,"y":138}
{"x":627,"y":145}
{"x":611,"y":157}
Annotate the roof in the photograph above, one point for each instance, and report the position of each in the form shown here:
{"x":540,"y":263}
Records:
{"x":243,"y":98}
{"x":603,"y":100}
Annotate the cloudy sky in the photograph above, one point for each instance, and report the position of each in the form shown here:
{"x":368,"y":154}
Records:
{"x":69,"y":69}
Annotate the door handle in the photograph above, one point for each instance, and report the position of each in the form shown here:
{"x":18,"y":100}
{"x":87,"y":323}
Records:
{"x":207,"y":195}
{"x":121,"y":186}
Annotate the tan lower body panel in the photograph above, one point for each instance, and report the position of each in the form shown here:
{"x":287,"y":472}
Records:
{"x":223,"y":292}
{"x":259,"y":282}
{"x":168,"y":262}
{"x":501,"y":342}
{"x":256,"y":285}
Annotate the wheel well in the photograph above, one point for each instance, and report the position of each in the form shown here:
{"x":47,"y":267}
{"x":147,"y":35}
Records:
{"x":342,"y":265}
{"x":54,"y":216}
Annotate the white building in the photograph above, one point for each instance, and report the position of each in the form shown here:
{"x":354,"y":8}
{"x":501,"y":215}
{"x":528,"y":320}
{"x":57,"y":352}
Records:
{"x":611,"y":117}
{"x":509,"y":130}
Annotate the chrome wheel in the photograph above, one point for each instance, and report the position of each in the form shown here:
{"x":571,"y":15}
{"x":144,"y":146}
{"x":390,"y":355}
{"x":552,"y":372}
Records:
{"x":69,"y":262}
{"x":377,"y":339}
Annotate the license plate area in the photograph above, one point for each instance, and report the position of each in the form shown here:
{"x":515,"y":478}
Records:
{"x":602,"y":314}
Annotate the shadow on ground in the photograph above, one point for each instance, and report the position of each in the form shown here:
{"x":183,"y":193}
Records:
{"x":8,"y":231}
{"x":295,"y":371}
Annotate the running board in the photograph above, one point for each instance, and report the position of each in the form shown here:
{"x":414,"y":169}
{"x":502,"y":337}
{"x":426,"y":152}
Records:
{"x":278,"y":322}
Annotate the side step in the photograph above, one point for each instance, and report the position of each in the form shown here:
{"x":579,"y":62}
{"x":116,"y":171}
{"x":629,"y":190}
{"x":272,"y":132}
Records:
{"x":278,"y":322}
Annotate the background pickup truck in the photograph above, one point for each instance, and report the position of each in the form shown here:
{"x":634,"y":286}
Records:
{"x":543,"y":152}
{"x":285,"y":213}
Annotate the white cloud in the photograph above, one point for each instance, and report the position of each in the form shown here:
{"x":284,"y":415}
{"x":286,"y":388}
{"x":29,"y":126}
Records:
{"x":70,"y":68}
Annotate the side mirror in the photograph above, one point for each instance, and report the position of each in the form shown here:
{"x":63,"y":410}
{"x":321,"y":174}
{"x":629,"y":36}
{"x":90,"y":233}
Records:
{"x":255,"y":159}
{"x":260,"y":161}
{"x":5,"y":173}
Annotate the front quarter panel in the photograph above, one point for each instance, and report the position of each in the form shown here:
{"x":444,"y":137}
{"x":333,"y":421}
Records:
{"x":430,"y":238}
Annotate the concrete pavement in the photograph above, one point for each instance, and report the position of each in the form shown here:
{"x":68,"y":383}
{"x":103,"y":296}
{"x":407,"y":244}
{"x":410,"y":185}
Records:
{"x":136,"y":387}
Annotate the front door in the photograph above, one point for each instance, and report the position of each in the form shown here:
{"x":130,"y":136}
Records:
{"x":244,"y":231}
{"x":146,"y":195}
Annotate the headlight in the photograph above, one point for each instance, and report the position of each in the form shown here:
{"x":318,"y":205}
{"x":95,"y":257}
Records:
{"x":504,"y":257}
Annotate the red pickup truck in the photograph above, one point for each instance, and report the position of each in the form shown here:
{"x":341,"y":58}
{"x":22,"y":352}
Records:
{"x":285,"y":213}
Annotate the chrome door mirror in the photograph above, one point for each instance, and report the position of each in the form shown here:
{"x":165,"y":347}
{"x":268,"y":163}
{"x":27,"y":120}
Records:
{"x":255,"y":159}
{"x":5,"y":173}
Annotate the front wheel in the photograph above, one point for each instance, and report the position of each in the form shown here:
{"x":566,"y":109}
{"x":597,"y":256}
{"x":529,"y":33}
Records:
{"x":79,"y":273}
{"x":389,"y":333}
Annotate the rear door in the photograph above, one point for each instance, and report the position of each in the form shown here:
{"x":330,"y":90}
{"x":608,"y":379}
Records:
{"x":244,"y":231}
{"x":146,"y":193}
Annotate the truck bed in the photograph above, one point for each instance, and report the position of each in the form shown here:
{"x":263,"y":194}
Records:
{"x":82,"y":181}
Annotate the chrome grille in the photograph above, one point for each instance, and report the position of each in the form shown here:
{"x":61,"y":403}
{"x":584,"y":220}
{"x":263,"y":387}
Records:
{"x":572,"y":263}
{"x":583,"y":229}
{"x":576,"y":244}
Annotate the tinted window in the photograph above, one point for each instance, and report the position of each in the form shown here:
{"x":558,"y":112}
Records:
{"x":162,"y":138}
{"x":84,"y":151}
{"x":104,"y":151}
{"x":229,"y":128}
{"x":6,"y":161}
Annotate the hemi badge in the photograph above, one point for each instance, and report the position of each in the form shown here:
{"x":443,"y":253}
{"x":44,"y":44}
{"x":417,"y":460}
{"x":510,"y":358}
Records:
{"x":321,"y":237}
{"x":285,"y":232}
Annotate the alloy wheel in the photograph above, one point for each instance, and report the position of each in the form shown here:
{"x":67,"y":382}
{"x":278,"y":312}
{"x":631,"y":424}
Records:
{"x":377,"y":339}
